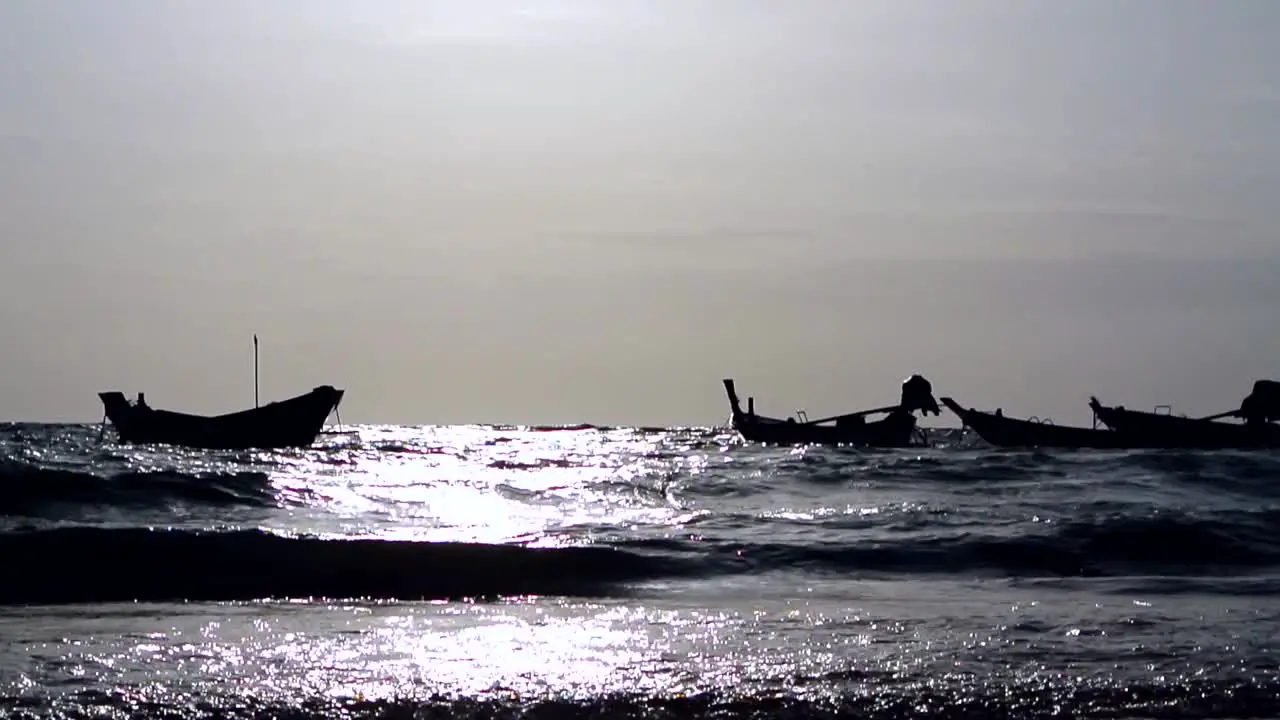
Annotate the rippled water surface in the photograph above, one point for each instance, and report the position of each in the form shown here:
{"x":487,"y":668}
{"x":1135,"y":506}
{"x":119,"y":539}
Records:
{"x":632,"y":573}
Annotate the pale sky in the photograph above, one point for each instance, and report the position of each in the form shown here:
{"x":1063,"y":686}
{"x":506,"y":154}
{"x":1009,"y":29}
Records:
{"x":560,"y":211}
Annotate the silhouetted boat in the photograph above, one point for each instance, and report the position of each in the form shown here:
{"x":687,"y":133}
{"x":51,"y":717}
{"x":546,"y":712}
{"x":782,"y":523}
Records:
{"x":896,"y":429}
{"x":1003,"y":431}
{"x":295,"y":422}
{"x":1166,"y":430}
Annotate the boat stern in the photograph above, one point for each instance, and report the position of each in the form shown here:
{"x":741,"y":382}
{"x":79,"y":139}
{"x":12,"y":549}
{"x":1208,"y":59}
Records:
{"x":917,"y":394}
{"x":1263,"y":404}
{"x":115,"y":405}
{"x":120,"y":412}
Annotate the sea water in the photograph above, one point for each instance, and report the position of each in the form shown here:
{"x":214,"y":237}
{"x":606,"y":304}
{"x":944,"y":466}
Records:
{"x":625,"y":572}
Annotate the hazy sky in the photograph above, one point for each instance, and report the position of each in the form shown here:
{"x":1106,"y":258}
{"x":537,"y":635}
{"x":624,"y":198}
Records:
{"x":581,"y":211}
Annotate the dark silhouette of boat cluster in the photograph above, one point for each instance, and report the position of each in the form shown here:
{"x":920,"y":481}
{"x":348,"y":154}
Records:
{"x":298,"y":421}
{"x":1114,"y":427}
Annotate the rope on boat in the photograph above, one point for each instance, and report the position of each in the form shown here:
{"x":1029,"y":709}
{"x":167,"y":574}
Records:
{"x":339,"y":431}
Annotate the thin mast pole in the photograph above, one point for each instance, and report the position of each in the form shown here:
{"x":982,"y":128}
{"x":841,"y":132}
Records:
{"x":255,"y":370}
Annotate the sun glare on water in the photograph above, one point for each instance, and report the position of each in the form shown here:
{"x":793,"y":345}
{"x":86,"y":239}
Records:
{"x":485,"y":485}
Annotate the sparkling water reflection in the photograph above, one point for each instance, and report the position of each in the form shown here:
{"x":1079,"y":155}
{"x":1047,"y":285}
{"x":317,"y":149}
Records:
{"x":952,"y":577}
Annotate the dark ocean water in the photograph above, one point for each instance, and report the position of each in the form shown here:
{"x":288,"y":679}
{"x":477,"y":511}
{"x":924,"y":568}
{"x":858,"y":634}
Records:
{"x":502,"y":572}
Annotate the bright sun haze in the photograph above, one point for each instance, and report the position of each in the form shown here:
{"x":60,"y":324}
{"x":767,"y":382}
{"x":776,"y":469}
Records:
{"x":582,"y":211}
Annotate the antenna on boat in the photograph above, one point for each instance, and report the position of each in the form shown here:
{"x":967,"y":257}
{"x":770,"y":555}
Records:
{"x":255,"y":370}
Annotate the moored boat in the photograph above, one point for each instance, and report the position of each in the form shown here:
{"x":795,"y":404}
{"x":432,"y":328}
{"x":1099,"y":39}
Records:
{"x":1259,"y":411}
{"x":1001,"y":431}
{"x":1141,"y":428}
{"x":295,"y":422}
{"x":896,"y":429}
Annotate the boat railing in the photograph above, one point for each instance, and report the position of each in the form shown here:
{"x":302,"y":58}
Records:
{"x":802,"y":416}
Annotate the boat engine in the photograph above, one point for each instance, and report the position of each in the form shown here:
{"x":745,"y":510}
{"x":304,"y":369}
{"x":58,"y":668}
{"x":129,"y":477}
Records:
{"x":1263,"y":404}
{"x":917,"y":394}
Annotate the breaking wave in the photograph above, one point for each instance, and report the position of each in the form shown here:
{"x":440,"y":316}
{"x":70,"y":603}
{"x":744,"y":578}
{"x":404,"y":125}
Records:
{"x":30,"y":489}
{"x":92,"y":564}
{"x":1116,"y":545}
{"x":95,"y":564}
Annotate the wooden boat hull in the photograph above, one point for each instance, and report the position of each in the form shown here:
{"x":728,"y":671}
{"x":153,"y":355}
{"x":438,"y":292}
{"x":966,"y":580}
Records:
{"x":1157,"y":430}
{"x":897,"y":429}
{"x":295,"y":422}
{"x":1002,"y":431}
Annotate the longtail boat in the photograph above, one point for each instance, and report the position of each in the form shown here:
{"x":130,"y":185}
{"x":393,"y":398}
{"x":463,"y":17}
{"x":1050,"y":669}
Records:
{"x":896,"y":429}
{"x":295,"y":422}
{"x":1033,"y":432}
{"x":1143,"y":428}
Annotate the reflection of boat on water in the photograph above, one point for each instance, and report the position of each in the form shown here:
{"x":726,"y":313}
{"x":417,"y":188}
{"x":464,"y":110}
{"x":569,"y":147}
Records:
{"x":1260,"y":411}
{"x":295,"y":422}
{"x":1002,"y":431}
{"x":896,"y":429}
